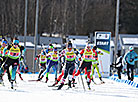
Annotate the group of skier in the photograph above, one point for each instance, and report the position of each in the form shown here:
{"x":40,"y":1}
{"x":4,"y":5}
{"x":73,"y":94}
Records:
{"x":10,"y":55}
{"x":86,"y":59}
{"x":73,"y":61}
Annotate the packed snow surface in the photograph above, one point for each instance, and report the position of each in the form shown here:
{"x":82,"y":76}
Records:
{"x":34,"y":91}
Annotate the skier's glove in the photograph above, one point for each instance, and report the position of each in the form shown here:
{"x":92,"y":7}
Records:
{"x":99,"y":52}
{"x":79,"y":59}
{"x":35,"y":58}
{"x":62,"y":63}
{"x":111,"y":65}
{"x":1,"y":59}
{"x":124,"y":70}
{"x":22,"y":57}
{"x":131,"y":60}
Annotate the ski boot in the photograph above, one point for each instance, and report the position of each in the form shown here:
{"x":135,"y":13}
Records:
{"x":69,"y":84}
{"x":88,"y":83}
{"x":129,"y":78}
{"x":11,"y":84}
{"x":55,"y":83}
{"x":73,"y":82}
{"x":55,"y":79}
{"x":132,"y":79}
{"x":39,"y":79}
{"x":93,"y":81}
{"x":102,"y":82}
{"x":46,"y":80}
{"x":41,"y":71}
{"x":60,"y":86}
{"x":1,"y":80}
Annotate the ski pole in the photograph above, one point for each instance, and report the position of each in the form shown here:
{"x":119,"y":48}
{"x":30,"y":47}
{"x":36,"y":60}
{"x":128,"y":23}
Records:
{"x":82,"y":82}
{"x":101,"y":65}
{"x":42,"y":46}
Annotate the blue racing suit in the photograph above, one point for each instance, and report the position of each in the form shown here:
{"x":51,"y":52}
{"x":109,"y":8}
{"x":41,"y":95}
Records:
{"x":52,"y":62}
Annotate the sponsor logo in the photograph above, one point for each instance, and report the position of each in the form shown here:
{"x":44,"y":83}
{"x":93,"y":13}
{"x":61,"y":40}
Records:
{"x":102,"y":36}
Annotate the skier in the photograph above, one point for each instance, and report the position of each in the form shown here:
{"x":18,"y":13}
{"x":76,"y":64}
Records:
{"x":15,"y":52}
{"x":77,"y":63}
{"x":129,"y":58}
{"x":95,"y":63}
{"x":61,"y":63}
{"x":22,"y":66}
{"x":52,"y":62}
{"x":3,"y":57}
{"x":18,"y":68}
{"x":49,"y":51}
{"x":70,"y":56}
{"x":118,"y":65}
{"x":42,"y":62}
{"x":86,"y":62}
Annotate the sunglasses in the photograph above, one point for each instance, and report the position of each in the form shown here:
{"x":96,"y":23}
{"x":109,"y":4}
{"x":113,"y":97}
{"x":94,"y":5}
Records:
{"x":15,"y":43}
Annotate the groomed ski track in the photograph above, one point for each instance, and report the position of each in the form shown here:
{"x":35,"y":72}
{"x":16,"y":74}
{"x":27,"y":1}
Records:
{"x":26,"y":91}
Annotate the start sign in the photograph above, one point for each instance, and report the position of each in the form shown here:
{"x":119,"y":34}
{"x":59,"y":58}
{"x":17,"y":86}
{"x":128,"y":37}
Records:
{"x":102,"y":41}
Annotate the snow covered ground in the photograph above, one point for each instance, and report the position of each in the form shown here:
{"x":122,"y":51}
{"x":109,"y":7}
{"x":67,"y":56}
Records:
{"x":26,"y":91}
